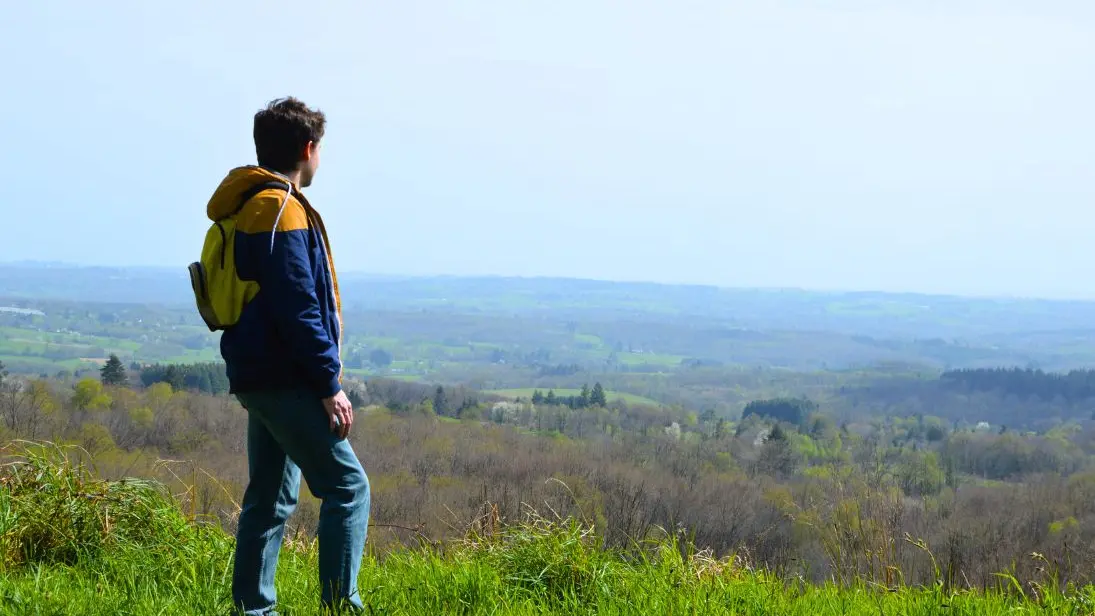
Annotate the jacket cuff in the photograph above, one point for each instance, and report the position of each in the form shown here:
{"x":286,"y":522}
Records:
{"x":330,"y":388}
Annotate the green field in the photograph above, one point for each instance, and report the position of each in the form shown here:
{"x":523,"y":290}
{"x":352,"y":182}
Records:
{"x":650,"y":359}
{"x":404,"y":377}
{"x":589,"y":341}
{"x":527,"y":392}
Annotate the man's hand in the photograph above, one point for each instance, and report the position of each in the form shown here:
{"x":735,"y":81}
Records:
{"x":340,"y":412}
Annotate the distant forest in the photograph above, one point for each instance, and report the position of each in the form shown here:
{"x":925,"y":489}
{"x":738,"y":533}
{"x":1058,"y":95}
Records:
{"x":206,"y":377}
{"x":1073,"y":386}
{"x":1024,"y":397}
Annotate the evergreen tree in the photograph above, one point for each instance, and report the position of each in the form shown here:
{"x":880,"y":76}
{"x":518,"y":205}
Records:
{"x":380,"y":358}
{"x":113,"y":372}
{"x":537,"y":397}
{"x":550,"y":399}
{"x":791,"y":410}
{"x":583,"y":398}
{"x":355,"y":398}
{"x":598,"y":397}
{"x":777,"y":456}
{"x":776,"y":434}
{"x":220,"y":379}
{"x":720,"y":428}
{"x":174,"y":377}
{"x":440,"y":402}
{"x":935,"y":434}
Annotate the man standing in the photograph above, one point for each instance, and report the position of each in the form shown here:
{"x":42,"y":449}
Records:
{"x":284,"y":366}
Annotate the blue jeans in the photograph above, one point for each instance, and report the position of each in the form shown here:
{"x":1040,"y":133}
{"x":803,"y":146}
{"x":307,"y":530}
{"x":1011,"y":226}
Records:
{"x":288,"y":435}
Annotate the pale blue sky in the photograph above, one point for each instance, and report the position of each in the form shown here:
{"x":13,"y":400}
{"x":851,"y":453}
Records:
{"x":943,"y":146}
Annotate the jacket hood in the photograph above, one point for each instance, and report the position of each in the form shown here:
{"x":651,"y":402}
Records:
{"x":226,"y":198}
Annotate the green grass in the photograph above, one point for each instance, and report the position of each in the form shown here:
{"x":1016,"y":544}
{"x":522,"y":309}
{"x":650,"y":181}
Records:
{"x":76,"y":364}
{"x":483,"y":344}
{"x":876,"y":308}
{"x":17,"y":346}
{"x":651,"y":359}
{"x":589,"y":341}
{"x":190,"y":356}
{"x":42,"y":364}
{"x":611,"y":395}
{"x":70,"y":544}
{"x":377,"y":342}
{"x":17,"y":336}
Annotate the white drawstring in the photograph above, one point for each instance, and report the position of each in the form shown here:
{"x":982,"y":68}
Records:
{"x":273,"y":231}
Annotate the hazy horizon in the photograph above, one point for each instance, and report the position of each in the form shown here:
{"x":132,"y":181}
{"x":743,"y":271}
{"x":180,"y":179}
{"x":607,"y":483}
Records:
{"x":352,"y":273}
{"x":849,"y":146}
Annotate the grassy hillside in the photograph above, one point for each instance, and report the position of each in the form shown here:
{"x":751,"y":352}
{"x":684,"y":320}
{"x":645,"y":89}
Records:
{"x":71,"y":544}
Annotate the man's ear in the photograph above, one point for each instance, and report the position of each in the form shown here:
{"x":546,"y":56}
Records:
{"x":309,"y":150}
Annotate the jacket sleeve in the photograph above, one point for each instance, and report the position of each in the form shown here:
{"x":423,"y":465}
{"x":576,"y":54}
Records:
{"x":287,"y":279}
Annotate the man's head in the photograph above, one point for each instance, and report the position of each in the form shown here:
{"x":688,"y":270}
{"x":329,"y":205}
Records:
{"x":287,"y":135}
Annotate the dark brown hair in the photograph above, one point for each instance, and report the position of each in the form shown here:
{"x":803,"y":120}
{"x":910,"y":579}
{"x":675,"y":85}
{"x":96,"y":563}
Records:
{"x":282,"y":130}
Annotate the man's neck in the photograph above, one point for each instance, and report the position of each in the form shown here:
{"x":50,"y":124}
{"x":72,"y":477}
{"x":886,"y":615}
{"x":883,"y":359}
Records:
{"x":292,"y":176}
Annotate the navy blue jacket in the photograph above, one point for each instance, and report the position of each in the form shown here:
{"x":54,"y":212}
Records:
{"x":289,"y":333}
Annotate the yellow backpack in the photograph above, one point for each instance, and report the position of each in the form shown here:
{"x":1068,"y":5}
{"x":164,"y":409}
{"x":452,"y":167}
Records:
{"x":218,"y":290}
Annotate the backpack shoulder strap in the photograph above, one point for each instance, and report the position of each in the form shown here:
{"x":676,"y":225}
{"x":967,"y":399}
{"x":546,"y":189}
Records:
{"x":256,"y":189}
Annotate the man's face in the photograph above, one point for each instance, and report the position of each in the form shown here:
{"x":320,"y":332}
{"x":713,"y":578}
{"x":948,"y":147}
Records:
{"x":310,"y":164}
